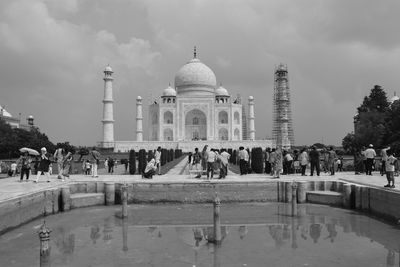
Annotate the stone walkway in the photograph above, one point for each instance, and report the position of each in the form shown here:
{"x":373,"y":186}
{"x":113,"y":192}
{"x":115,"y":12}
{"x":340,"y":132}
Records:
{"x":12,"y":188}
{"x":179,"y":168}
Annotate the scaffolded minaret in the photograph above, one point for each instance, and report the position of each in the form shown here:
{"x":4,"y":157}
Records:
{"x":282,"y":129}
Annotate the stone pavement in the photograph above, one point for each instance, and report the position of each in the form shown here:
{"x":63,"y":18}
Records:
{"x":12,"y":188}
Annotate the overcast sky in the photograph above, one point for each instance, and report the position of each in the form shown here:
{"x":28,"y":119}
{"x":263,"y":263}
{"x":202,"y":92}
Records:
{"x":53,"y":53}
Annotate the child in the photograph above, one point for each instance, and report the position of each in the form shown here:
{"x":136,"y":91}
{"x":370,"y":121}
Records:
{"x":390,"y":163}
{"x":87,"y":167}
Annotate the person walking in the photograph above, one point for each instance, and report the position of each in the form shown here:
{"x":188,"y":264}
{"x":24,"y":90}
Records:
{"x":204,"y":158}
{"x":43,"y":167}
{"x":211,"y":158}
{"x":13,"y":169}
{"x":390,"y":168}
{"x":370,"y":156}
{"x":67,"y":165}
{"x":196,"y":162}
{"x":59,"y":157}
{"x":314,"y":160}
{"x":157,"y":157}
{"x":95,"y":161}
{"x":25,"y":162}
{"x":288,"y":162}
{"x":266,"y":160}
{"x":243,"y":160}
{"x":272,"y":158}
{"x":111,"y":163}
{"x":224,"y":158}
{"x":303,"y":158}
{"x":384,"y":159}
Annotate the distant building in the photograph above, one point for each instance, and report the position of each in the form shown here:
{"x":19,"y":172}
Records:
{"x":16,"y":122}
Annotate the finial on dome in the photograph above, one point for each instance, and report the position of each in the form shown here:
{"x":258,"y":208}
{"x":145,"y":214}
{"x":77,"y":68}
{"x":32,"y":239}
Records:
{"x":169,"y":84}
{"x":194,"y":52}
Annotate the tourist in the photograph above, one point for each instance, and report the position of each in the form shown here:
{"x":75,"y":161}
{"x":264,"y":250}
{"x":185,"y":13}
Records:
{"x":25,"y":162}
{"x":67,"y":165}
{"x":303,"y":158}
{"x":211,"y":158}
{"x":13,"y":169}
{"x":150,"y":169}
{"x":196,"y":162}
{"x":272,"y":156}
{"x":370,"y":156}
{"x":204,"y":158}
{"x":278,"y":163}
{"x":224,"y":158}
{"x":88,"y":167}
{"x":331,"y":160}
{"x":243,"y":160}
{"x":314,"y":160}
{"x":95,"y":161}
{"x":288,"y":162}
{"x":339,"y":163}
{"x":106,"y":165}
{"x":189,"y":162}
{"x":384,"y":159}
{"x":157,"y":156}
{"x":325,"y":154}
{"x":111,"y":163}
{"x":390,"y":167}
{"x":364,"y":159}
{"x":266,"y":160}
{"x":43,"y":167}
{"x":59,"y":157}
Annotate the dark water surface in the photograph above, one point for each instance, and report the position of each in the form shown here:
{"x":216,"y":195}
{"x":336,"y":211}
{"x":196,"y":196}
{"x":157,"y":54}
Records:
{"x":176,"y":235}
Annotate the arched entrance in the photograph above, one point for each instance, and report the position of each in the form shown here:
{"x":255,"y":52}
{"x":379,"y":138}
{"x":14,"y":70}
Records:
{"x":195,"y":125}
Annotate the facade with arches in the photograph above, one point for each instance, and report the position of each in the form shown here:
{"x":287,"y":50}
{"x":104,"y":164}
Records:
{"x":195,"y":109}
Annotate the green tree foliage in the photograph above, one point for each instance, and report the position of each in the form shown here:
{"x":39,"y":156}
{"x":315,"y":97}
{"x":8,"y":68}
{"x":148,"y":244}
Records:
{"x":376,"y":101}
{"x":11,"y":140}
{"x":257,"y":160}
{"x":132,"y":162}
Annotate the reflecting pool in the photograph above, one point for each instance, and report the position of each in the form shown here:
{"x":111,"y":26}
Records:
{"x":254,"y":234}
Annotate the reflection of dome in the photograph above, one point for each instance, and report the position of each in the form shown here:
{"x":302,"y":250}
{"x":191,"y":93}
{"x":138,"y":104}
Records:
{"x":169,"y":91}
{"x":195,"y":76}
{"x":4,"y":112}
{"x":221,"y":91}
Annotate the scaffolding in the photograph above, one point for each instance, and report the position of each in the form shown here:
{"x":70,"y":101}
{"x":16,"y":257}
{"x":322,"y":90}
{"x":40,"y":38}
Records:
{"x":244,"y":118}
{"x":282,"y":131}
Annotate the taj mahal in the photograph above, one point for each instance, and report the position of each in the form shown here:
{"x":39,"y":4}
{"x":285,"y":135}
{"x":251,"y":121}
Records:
{"x":192,"y":113}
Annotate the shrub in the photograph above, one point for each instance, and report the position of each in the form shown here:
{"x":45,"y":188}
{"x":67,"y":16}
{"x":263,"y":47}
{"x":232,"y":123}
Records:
{"x":257,"y":160}
{"x":142,"y":160}
{"x":150,"y":155}
{"x":230,"y":153}
{"x":132,"y":162}
{"x":234,"y":157}
{"x":164,"y":156}
{"x":170,"y":155}
{"x":178,"y":153}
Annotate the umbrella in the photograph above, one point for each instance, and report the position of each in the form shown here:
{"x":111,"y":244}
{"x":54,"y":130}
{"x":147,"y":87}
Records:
{"x":31,"y":151}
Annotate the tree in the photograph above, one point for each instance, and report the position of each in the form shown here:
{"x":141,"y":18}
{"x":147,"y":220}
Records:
{"x":376,"y":101}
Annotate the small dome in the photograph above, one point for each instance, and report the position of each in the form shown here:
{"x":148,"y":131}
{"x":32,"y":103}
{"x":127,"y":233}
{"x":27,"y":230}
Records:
{"x":30,"y":117}
{"x":108,"y":69}
{"x":251,"y":97}
{"x":4,"y":112}
{"x":169,"y":91}
{"x":139,"y":97}
{"x":394,"y":98}
{"x":221,"y":91}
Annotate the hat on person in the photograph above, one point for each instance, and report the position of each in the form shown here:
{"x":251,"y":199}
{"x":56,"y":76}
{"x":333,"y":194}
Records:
{"x":370,"y":145}
{"x":43,"y":149}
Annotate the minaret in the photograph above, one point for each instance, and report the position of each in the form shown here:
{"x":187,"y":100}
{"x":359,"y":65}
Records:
{"x":139,"y":119}
{"x":282,"y":129}
{"x":108,"y":117}
{"x":252,"y":129}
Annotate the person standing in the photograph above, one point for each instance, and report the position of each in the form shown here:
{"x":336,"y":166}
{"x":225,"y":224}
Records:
{"x":158,"y":160}
{"x":43,"y":167}
{"x":106,"y":165}
{"x":364,"y":159}
{"x":67,"y":165}
{"x":95,"y":161}
{"x":204,"y":158}
{"x":25,"y":162}
{"x":303,"y":158}
{"x":13,"y":169}
{"x":243,"y":160}
{"x":266,"y":160}
{"x":370,"y":156}
{"x":331,"y":160}
{"x":271,"y":159}
{"x":59,"y":157}
{"x":278,"y":163}
{"x":384,"y":159}
{"x":390,"y":168}
{"x":314,"y":160}
{"x":111,"y":165}
{"x":288,"y":162}
{"x":211,"y":158}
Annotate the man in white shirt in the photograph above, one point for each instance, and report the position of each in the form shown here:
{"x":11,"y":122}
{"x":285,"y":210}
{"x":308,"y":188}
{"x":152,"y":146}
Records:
{"x":384,"y":159}
{"x":211,"y":157}
{"x":370,"y":155}
{"x":224,"y":158}
{"x":243,"y":160}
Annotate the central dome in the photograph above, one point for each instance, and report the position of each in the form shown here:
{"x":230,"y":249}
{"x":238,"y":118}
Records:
{"x":195,"y":77}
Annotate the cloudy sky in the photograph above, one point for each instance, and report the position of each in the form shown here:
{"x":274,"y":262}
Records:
{"x":53,"y":53}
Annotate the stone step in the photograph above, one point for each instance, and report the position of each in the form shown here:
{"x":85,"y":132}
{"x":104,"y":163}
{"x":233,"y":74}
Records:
{"x":87,"y":199}
{"x":325,"y":197}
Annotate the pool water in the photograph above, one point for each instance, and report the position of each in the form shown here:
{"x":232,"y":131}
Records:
{"x":254,"y":234}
